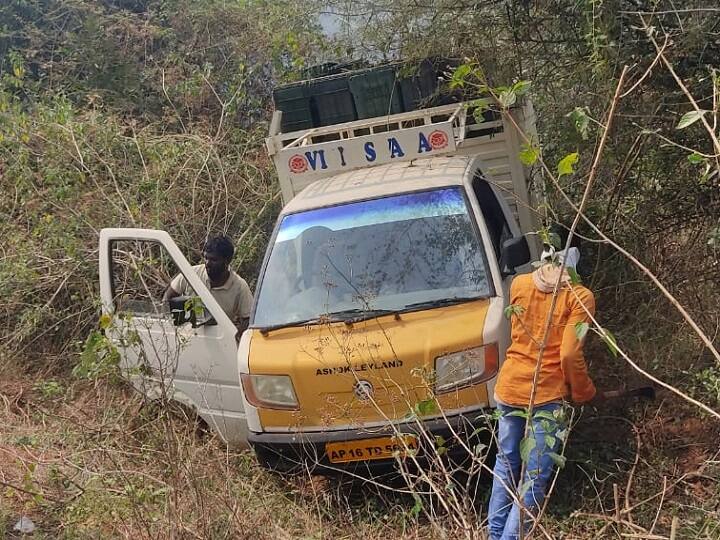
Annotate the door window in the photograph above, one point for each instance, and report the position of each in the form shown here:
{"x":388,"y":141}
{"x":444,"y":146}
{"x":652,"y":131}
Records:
{"x":141,"y":272}
{"x":492,"y":211}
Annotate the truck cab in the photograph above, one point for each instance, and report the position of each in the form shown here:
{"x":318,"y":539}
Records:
{"x":378,"y":323}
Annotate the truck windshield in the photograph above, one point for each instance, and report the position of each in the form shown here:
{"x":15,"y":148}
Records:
{"x":383,"y":255}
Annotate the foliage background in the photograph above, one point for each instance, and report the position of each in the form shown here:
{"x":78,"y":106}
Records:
{"x":138,"y":114}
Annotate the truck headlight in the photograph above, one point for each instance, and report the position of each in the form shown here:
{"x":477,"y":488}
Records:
{"x":269,"y":391}
{"x":465,"y":368}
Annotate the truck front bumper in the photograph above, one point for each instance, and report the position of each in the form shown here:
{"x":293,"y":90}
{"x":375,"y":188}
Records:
{"x":305,"y":451}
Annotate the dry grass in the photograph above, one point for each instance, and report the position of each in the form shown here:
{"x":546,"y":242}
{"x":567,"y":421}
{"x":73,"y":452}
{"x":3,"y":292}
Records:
{"x":89,"y":461}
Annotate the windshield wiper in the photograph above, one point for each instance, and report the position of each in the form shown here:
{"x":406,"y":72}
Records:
{"x":303,"y":322}
{"x":359,"y":314}
{"x":346,"y":315}
{"x":440,"y":302}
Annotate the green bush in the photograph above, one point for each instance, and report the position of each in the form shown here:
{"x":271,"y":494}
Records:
{"x":130,"y":114}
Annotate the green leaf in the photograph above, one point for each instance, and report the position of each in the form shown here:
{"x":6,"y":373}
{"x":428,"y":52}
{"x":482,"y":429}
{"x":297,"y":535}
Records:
{"x":537,"y":415}
{"x":194,"y":305}
{"x":549,"y":441}
{"x":543,"y":234}
{"x":527,"y":445}
{"x":459,"y":75}
{"x":521,"y":87}
{"x":558,"y":459}
{"x":518,"y":413}
{"x":507,"y":98}
{"x":610,"y":341}
{"x":550,"y":238}
{"x":529,"y":154}
{"x":478,"y":116}
{"x":105,"y":321}
{"x":565,"y":166}
{"x":695,"y":158}
{"x":689,"y":118}
{"x":574,"y":276}
{"x":417,"y":507}
{"x":513,"y":309}
{"x":525,"y":487}
{"x":479,"y":103}
{"x":426,"y":407}
{"x":581,"y":329}
{"x":581,"y":120}
{"x":554,"y":240}
{"x":479,"y":106}
{"x":479,"y":447}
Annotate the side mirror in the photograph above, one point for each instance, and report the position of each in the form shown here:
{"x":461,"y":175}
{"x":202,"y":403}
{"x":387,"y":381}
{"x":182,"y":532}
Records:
{"x":209,"y":321}
{"x":515,"y":252}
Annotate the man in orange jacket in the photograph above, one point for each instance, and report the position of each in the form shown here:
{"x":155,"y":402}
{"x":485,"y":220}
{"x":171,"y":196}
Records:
{"x":562,"y":376}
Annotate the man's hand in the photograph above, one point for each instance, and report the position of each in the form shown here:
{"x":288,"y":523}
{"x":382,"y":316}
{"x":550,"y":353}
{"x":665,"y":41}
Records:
{"x":647,"y":392}
{"x":241,"y":326}
{"x":169,"y":293}
{"x":597,"y":399}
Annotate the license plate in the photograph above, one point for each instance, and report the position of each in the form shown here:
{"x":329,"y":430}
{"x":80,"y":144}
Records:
{"x":369,"y":449}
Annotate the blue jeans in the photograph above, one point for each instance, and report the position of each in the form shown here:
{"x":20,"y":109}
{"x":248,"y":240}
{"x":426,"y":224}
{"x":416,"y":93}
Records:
{"x":503,"y":513}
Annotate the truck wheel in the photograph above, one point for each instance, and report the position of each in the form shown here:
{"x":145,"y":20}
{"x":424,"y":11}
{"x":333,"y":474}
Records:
{"x":275,"y":462}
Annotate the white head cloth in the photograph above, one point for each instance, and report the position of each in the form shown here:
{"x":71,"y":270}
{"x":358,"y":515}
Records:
{"x":571,"y":258}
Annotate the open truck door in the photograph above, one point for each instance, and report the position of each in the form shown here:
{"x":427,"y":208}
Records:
{"x":186,"y":354}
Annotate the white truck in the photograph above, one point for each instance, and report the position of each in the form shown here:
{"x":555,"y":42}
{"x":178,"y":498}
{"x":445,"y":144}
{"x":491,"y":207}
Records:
{"x":400,"y":234}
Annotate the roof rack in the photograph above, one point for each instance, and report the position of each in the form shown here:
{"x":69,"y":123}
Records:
{"x":304,"y":156}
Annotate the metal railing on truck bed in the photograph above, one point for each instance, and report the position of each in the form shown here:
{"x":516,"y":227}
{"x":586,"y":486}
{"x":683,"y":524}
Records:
{"x":306,"y":156}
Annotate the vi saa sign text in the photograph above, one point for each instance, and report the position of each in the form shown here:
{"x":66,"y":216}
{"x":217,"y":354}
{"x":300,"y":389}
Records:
{"x":376,"y":149}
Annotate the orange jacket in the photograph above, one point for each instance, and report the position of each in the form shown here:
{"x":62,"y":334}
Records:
{"x":563,"y":373}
